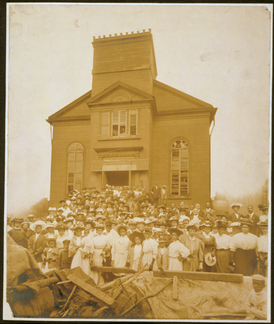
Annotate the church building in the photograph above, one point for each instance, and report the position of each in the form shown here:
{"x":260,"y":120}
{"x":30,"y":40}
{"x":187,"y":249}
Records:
{"x":131,"y":129}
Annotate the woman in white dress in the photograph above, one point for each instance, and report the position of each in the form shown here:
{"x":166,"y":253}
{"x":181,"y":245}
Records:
{"x":76,"y":248}
{"x":176,"y":250}
{"x":135,"y":251}
{"x":61,"y":236}
{"x":98,"y":245}
{"x":150,"y":247}
{"x":120,"y":248}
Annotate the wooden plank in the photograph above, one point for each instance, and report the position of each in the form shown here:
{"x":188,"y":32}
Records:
{"x":113,"y":270}
{"x":111,"y":284}
{"x":175,"y":287}
{"x":206,"y":276}
{"x":98,"y":294}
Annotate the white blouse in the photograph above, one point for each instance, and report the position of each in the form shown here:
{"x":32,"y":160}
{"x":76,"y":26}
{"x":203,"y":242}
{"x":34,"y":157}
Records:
{"x":222,"y":241}
{"x":262,"y":243}
{"x":176,"y":249}
{"x":243,"y":241}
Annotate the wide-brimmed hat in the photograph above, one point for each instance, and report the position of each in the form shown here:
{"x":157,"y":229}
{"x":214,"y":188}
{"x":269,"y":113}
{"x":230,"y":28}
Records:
{"x":120,"y":227}
{"x":192,"y":224}
{"x":263,"y":223}
{"x":174,"y":218}
{"x":38,"y":222}
{"x":61,"y":227}
{"x":175,"y":230}
{"x":51,"y":238}
{"x":182,"y":218}
{"x":30,"y":216}
{"x":245,"y":221}
{"x":17,"y":220}
{"x":206,"y":224}
{"x":100,"y":216}
{"x":210,"y":260}
{"x":235,"y":224}
{"x":69,"y":219}
{"x":135,"y":234}
{"x":99,"y":226}
{"x":236,"y":204}
{"x":258,"y":277}
{"x":263,"y":207}
{"x":78,"y":227}
{"x":66,"y":240}
{"x":90,"y":221}
{"x":148,"y":229}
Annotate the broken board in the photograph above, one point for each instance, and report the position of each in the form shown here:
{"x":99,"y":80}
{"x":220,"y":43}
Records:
{"x":98,"y":294}
{"x":206,"y":276}
{"x":112,"y":269}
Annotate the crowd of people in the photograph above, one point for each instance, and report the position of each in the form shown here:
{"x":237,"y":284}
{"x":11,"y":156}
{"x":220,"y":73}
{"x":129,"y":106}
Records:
{"x":123,"y":227}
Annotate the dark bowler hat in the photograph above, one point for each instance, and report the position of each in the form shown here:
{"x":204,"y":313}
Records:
{"x":221,"y":224}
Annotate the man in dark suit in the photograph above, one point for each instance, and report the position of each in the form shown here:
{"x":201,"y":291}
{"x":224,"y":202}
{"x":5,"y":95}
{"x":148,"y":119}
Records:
{"x":156,"y":193}
{"x":209,"y":210}
{"x":235,"y":216}
{"x":37,"y":242}
{"x":254,"y":220}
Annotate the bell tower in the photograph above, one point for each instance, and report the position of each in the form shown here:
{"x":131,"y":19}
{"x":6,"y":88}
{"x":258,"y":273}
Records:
{"x":126,"y":57}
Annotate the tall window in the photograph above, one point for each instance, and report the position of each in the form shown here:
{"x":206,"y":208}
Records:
{"x":75,"y":166}
{"x":119,"y":123}
{"x":180,"y":169}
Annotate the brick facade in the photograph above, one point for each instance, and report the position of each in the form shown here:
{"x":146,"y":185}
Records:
{"x":151,"y":117}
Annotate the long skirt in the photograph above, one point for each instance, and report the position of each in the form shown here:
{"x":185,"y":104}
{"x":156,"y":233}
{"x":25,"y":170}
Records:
{"x":120,"y":259}
{"x":147,"y":259}
{"x":192,"y":265}
{"x":245,"y":262}
{"x":79,"y":261}
{"x":222,"y":262}
{"x":136,"y":264}
{"x":98,"y":262}
{"x":175,"y":264}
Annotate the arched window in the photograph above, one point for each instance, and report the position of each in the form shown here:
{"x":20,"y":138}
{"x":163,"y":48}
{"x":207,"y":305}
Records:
{"x":179,"y":169}
{"x":75,"y":166}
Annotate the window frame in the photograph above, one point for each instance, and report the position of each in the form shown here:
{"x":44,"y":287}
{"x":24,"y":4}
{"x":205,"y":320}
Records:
{"x":178,"y":169}
{"x":76,"y":175}
{"x":108,"y":120}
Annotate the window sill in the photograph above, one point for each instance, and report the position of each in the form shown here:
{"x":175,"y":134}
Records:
{"x":179,"y":198}
{"x":118,"y":138}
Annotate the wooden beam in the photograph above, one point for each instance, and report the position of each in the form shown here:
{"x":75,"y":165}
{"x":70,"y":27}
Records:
{"x":112,"y":269}
{"x":175,"y":287}
{"x":98,"y":294}
{"x":206,"y":276}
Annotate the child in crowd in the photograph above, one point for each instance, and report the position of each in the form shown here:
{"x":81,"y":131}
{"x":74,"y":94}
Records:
{"x":50,"y":256}
{"x":64,"y":258}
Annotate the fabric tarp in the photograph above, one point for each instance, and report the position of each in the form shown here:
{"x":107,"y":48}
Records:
{"x":19,"y":260}
{"x":197,"y":299}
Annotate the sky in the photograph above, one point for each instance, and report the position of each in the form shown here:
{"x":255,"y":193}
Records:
{"x":217,"y":53}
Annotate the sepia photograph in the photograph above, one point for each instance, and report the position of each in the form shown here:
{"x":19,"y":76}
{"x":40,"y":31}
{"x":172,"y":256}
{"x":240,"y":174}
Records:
{"x":138,"y":162}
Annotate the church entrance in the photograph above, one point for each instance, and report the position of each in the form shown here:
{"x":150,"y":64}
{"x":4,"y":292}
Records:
{"x":117,"y":178}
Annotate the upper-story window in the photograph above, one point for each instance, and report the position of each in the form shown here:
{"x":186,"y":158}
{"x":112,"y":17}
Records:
{"x":179,"y":169}
{"x":75,"y":167}
{"x":119,"y":123}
